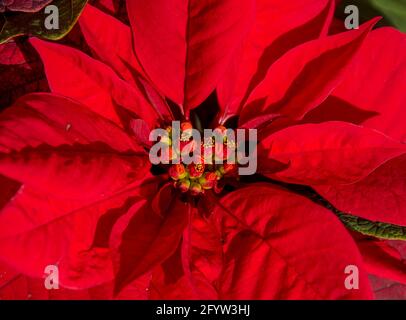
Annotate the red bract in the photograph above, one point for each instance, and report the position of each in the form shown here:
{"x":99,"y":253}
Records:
{"x":79,"y":192}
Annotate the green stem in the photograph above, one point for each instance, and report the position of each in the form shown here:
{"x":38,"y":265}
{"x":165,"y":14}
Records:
{"x":375,"y":229}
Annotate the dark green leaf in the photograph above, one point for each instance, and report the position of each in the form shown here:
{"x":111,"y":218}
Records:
{"x":373,"y":228}
{"x":23,"y":5}
{"x":33,"y":24}
{"x":392,"y":11}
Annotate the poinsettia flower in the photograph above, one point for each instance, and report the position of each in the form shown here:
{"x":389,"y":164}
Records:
{"x":80,"y":192}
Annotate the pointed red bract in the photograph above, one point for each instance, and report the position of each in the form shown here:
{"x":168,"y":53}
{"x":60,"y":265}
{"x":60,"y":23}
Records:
{"x":99,"y":88}
{"x":376,"y":81}
{"x":73,"y":166}
{"x":381,"y":196}
{"x":194,"y":41}
{"x":43,"y":118}
{"x":290,"y":86}
{"x":381,"y":259}
{"x":329,"y":153}
{"x":49,"y":144}
{"x":149,"y":240}
{"x":283,"y":246}
{"x":48,"y":230}
{"x":116,"y":37}
{"x":278,"y":27}
{"x":51,"y":230}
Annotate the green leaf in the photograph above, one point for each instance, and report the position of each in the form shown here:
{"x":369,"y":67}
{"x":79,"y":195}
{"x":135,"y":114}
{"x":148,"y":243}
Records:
{"x":27,"y":23}
{"x":393,"y":10}
{"x":375,"y":229}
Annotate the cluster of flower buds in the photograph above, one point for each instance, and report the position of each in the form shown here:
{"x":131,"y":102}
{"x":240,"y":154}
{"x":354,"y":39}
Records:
{"x":195,"y":178}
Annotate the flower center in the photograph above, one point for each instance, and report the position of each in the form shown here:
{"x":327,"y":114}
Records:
{"x":211,"y":160}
